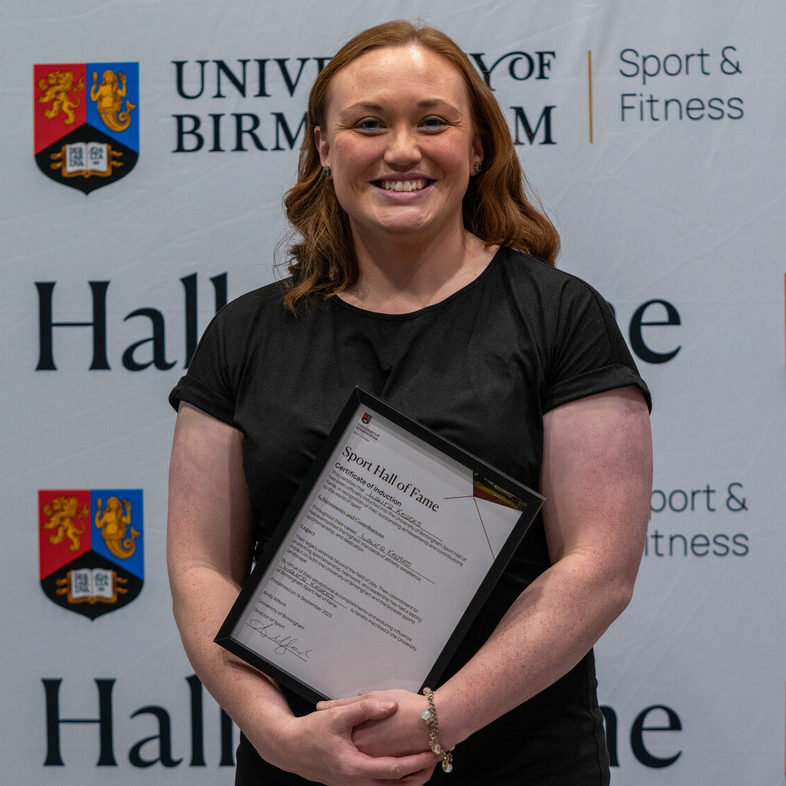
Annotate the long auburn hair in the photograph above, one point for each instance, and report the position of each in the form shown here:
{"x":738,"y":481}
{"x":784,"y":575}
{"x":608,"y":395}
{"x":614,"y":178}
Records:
{"x":498,"y":205}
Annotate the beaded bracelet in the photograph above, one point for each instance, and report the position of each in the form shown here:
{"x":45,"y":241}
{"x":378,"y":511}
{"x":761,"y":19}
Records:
{"x":445,"y":757}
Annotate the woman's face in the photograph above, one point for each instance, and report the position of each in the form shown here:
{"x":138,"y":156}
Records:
{"x":400,"y":141}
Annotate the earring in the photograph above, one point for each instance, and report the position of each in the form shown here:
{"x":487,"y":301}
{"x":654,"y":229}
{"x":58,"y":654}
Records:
{"x":478,"y":167}
{"x":326,"y":172}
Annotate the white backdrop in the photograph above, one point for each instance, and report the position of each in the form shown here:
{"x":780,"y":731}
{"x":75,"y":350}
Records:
{"x":670,"y":199}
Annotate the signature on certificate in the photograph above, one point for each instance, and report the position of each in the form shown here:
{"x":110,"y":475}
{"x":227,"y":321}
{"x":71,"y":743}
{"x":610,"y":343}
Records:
{"x":285,"y":643}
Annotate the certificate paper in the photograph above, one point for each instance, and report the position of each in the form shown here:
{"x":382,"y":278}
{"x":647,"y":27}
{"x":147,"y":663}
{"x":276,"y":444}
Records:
{"x":381,"y":562}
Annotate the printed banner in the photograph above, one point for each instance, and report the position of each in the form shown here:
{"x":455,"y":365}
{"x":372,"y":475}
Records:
{"x":652,"y":133}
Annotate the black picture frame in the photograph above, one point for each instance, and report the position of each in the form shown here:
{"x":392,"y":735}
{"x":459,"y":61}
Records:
{"x":494,"y":481}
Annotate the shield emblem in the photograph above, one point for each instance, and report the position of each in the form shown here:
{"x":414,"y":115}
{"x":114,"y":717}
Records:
{"x":91,"y":548}
{"x":86,"y":122}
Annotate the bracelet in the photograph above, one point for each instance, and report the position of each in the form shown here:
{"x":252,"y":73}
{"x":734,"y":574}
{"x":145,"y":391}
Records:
{"x":445,"y":757}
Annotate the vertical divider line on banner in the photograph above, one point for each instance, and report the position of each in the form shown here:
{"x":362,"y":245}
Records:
{"x":589,"y":92}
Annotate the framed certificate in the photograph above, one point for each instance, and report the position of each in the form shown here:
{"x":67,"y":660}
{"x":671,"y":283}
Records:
{"x":381,"y":561}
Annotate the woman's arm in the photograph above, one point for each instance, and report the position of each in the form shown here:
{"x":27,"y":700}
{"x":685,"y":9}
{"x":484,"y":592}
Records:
{"x":209,"y":539}
{"x":596,"y":477}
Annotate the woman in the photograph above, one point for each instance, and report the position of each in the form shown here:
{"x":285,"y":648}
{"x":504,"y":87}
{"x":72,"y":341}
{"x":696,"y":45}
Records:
{"x":409,"y":280}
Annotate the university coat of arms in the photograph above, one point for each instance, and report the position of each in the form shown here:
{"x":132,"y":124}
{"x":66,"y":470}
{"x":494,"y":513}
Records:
{"x":86,"y":122}
{"x":91,"y":548}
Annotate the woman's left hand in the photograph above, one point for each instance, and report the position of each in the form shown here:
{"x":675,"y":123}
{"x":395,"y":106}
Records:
{"x":399,"y":734}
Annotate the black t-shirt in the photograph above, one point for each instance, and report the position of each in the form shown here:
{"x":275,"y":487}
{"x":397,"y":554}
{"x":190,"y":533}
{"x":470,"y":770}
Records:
{"x":481,"y":368}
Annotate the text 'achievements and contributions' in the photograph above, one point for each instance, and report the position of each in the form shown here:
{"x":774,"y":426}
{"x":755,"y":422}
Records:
{"x":381,"y":562}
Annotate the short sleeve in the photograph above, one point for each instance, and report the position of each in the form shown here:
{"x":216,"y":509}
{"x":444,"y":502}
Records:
{"x":209,"y":383}
{"x":588,"y":354}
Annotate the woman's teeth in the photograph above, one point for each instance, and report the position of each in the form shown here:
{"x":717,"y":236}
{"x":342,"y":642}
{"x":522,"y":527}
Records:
{"x":404,"y":185}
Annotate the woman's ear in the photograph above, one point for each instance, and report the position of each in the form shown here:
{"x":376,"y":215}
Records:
{"x":477,"y":149}
{"x":323,"y":147}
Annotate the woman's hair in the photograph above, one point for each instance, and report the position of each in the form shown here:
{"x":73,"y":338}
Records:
{"x":497,"y":206}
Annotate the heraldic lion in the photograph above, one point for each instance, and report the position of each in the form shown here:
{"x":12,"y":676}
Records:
{"x":62,"y":512}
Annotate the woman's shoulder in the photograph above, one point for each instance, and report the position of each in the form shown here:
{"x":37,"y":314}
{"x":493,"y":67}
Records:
{"x":267,"y":297}
{"x":529,"y":276}
{"x":245,"y":312}
{"x":523,"y":265}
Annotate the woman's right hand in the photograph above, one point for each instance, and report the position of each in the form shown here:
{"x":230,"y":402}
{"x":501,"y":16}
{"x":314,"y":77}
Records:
{"x":319,"y":747}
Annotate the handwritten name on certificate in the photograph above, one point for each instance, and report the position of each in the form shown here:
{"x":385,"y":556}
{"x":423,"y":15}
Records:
{"x":385,"y":554}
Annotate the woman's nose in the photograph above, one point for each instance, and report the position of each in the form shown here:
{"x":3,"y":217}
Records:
{"x":403,"y":150}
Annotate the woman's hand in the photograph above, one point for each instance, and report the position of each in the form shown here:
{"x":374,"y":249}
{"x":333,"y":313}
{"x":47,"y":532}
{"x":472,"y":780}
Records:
{"x":321,"y":747}
{"x":207,"y":565}
{"x":399,"y":733}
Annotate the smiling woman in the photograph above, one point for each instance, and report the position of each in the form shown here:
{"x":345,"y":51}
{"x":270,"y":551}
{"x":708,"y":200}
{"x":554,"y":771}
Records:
{"x":422,"y":272}
{"x":426,"y":81}
{"x":400,"y":142}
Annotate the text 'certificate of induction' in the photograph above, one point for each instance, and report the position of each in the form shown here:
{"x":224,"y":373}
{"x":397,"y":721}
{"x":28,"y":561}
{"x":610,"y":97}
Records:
{"x":381,"y":562}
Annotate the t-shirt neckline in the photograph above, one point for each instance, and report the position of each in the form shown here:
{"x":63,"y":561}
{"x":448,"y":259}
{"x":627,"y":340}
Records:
{"x":426,"y":309}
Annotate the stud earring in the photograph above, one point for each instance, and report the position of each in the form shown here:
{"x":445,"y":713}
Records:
{"x":478,"y":167}
{"x":326,"y":172}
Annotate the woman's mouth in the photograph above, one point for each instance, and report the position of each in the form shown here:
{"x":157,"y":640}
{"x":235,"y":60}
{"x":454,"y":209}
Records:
{"x":416,"y":184}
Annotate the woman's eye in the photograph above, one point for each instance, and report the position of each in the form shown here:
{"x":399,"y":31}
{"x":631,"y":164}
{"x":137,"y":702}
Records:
{"x":433,"y":123}
{"x":369,"y":124}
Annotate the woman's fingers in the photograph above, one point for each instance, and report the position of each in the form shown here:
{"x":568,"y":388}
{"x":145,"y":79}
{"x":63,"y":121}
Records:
{"x":354,"y":713}
{"x":409,"y":769}
{"x":330,"y":704}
